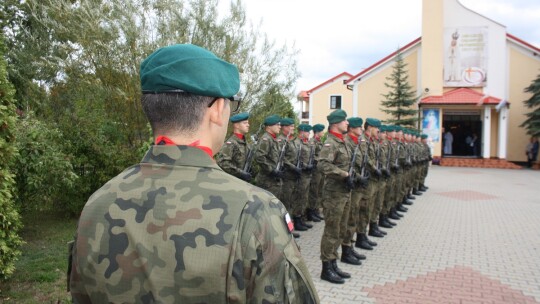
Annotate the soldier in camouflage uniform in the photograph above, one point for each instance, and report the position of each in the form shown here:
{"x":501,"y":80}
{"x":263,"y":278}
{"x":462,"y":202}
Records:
{"x":317,"y":178}
{"x":334,"y":164}
{"x":304,"y":161}
{"x":357,"y":183}
{"x":387,"y":177}
{"x":267,"y":155}
{"x":291,"y":174}
{"x":233,"y":154}
{"x":394,"y":181}
{"x":425,"y":166}
{"x":176,"y":228}
{"x":372,"y":130}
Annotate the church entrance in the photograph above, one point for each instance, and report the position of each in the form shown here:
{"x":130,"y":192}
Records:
{"x":465,"y":138}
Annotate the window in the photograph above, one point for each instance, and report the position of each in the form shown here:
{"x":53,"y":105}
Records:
{"x":335,"y":102}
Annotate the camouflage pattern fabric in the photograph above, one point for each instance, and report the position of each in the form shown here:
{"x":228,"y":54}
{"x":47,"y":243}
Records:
{"x":356,"y":194}
{"x":232,"y":156}
{"x":289,"y":177}
{"x":381,"y":185}
{"x":302,"y":184}
{"x":317,"y":179}
{"x":177,"y":229}
{"x":266,"y":157}
{"x":364,"y":207}
{"x":334,"y":161}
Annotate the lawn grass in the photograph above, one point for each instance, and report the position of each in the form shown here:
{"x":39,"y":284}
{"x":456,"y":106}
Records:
{"x":40,"y":276}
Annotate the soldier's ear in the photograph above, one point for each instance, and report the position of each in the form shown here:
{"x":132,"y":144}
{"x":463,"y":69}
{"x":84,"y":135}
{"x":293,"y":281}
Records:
{"x":219,"y":113}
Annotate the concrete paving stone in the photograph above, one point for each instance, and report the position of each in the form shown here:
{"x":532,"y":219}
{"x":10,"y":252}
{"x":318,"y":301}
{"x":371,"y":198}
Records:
{"x":488,"y":225}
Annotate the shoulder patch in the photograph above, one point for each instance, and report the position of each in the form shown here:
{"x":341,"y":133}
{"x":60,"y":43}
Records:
{"x":288,"y":222}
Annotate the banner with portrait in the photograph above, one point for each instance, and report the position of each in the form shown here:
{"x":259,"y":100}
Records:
{"x":430,"y":124}
{"x":465,"y":56}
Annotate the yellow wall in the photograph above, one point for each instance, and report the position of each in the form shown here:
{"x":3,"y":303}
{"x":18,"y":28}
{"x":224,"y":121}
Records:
{"x":371,"y":89}
{"x":522,"y":71}
{"x":321,"y":101}
{"x":432,"y":46}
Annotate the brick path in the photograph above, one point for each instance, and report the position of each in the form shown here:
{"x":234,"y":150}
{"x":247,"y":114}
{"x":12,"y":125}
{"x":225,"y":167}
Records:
{"x":473,"y":237}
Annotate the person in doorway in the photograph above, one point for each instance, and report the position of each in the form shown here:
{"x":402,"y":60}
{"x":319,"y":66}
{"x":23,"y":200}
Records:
{"x":474,"y":145}
{"x":448,"y":140}
{"x":531,"y":151}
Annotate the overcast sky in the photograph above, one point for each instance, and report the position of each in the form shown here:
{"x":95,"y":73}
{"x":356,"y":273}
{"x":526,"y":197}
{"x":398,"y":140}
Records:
{"x":349,"y":35}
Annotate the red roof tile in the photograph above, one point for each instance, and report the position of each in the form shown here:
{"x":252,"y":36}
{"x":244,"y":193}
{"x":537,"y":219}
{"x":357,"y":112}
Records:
{"x":461,"y":96}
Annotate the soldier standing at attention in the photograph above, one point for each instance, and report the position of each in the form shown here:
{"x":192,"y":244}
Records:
{"x":356,"y":184}
{"x":302,"y":162}
{"x":372,"y":131}
{"x":317,"y":178}
{"x":176,"y":228}
{"x":334,"y":162}
{"x":267,"y":156}
{"x":232,"y":156}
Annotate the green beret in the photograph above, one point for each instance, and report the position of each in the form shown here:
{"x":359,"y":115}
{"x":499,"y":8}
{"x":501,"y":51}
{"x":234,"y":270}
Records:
{"x":318,"y":128}
{"x":383,"y":128}
{"x":424,"y":136}
{"x":272,"y":120}
{"x":239,"y":117}
{"x":304,"y":127}
{"x":191,"y":69}
{"x":398,"y":128}
{"x":374,"y":122}
{"x":287,"y":121}
{"x":355,"y":122}
{"x":336,"y":117}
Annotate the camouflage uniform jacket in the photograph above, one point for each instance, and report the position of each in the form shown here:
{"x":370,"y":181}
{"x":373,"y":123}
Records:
{"x":267,"y":154}
{"x":334,"y":161}
{"x":359,"y":154}
{"x":177,"y":229}
{"x":233,"y":154}
{"x":291,"y":153}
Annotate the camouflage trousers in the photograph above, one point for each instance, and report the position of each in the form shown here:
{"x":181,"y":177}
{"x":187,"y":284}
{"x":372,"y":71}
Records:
{"x":301,"y":195}
{"x":425,"y":170}
{"x":354,"y":218}
{"x":315,"y":190}
{"x":270,"y":184}
{"x":287,"y":194}
{"x":365,"y":207}
{"x":378,"y":200}
{"x":336,"y":214}
{"x":390,"y":198}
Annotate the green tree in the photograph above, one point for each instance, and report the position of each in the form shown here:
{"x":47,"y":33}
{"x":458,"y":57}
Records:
{"x":10,"y":222}
{"x":76,"y":64}
{"x":532,"y":123}
{"x":400,"y":101}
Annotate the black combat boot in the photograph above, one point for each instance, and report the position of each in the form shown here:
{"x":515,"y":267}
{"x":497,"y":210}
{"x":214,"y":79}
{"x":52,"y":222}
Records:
{"x":298,"y":224}
{"x":296,"y":235}
{"x":405,"y":201}
{"x":358,"y":255}
{"x":340,"y":272}
{"x":374,"y":231}
{"x":372,"y":243}
{"x":394,"y":215}
{"x":318,"y":214}
{"x":377,"y":228}
{"x":362,"y":242}
{"x":401,"y":208}
{"x":347,"y":257}
{"x":309,"y":226}
{"x":424,"y":187}
{"x":383,"y":222}
{"x":311,"y":216}
{"x":416,"y":192}
{"x":329,"y":274}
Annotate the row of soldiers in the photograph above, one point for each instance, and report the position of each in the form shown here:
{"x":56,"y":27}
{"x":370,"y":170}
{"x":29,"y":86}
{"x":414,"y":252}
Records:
{"x":361,"y":176}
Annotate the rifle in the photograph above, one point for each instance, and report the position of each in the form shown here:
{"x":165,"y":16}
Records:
{"x":299,"y":163}
{"x":396,"y":165}
{"x":279,"y":165}
{"x":363,"y":171}
{"x":251,"y":153}
{"x":387,"y":168}
{"x":407,"y":157}
{"x":311,"y":157}
{"x":352,"y":172}
{"x":378,"y":164}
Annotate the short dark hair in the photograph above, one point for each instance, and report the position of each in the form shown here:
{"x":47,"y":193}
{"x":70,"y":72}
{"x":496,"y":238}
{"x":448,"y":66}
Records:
{"x":174,"y":112}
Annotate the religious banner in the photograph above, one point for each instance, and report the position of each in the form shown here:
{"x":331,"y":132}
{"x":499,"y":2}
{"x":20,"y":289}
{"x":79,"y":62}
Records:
{"x":430,"y":124}
{"x":465,"y":56}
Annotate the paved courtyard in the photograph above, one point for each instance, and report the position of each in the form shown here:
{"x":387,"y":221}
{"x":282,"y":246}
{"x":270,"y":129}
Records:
{"x":473,"y":237}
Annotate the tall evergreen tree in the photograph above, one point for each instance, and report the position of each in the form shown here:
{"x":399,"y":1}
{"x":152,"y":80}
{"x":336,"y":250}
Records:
{"x":532,"y":123}
{"x":400,"y":101}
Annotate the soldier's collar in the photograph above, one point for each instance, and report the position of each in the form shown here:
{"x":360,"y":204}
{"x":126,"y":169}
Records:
{"x":179,"y":156}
